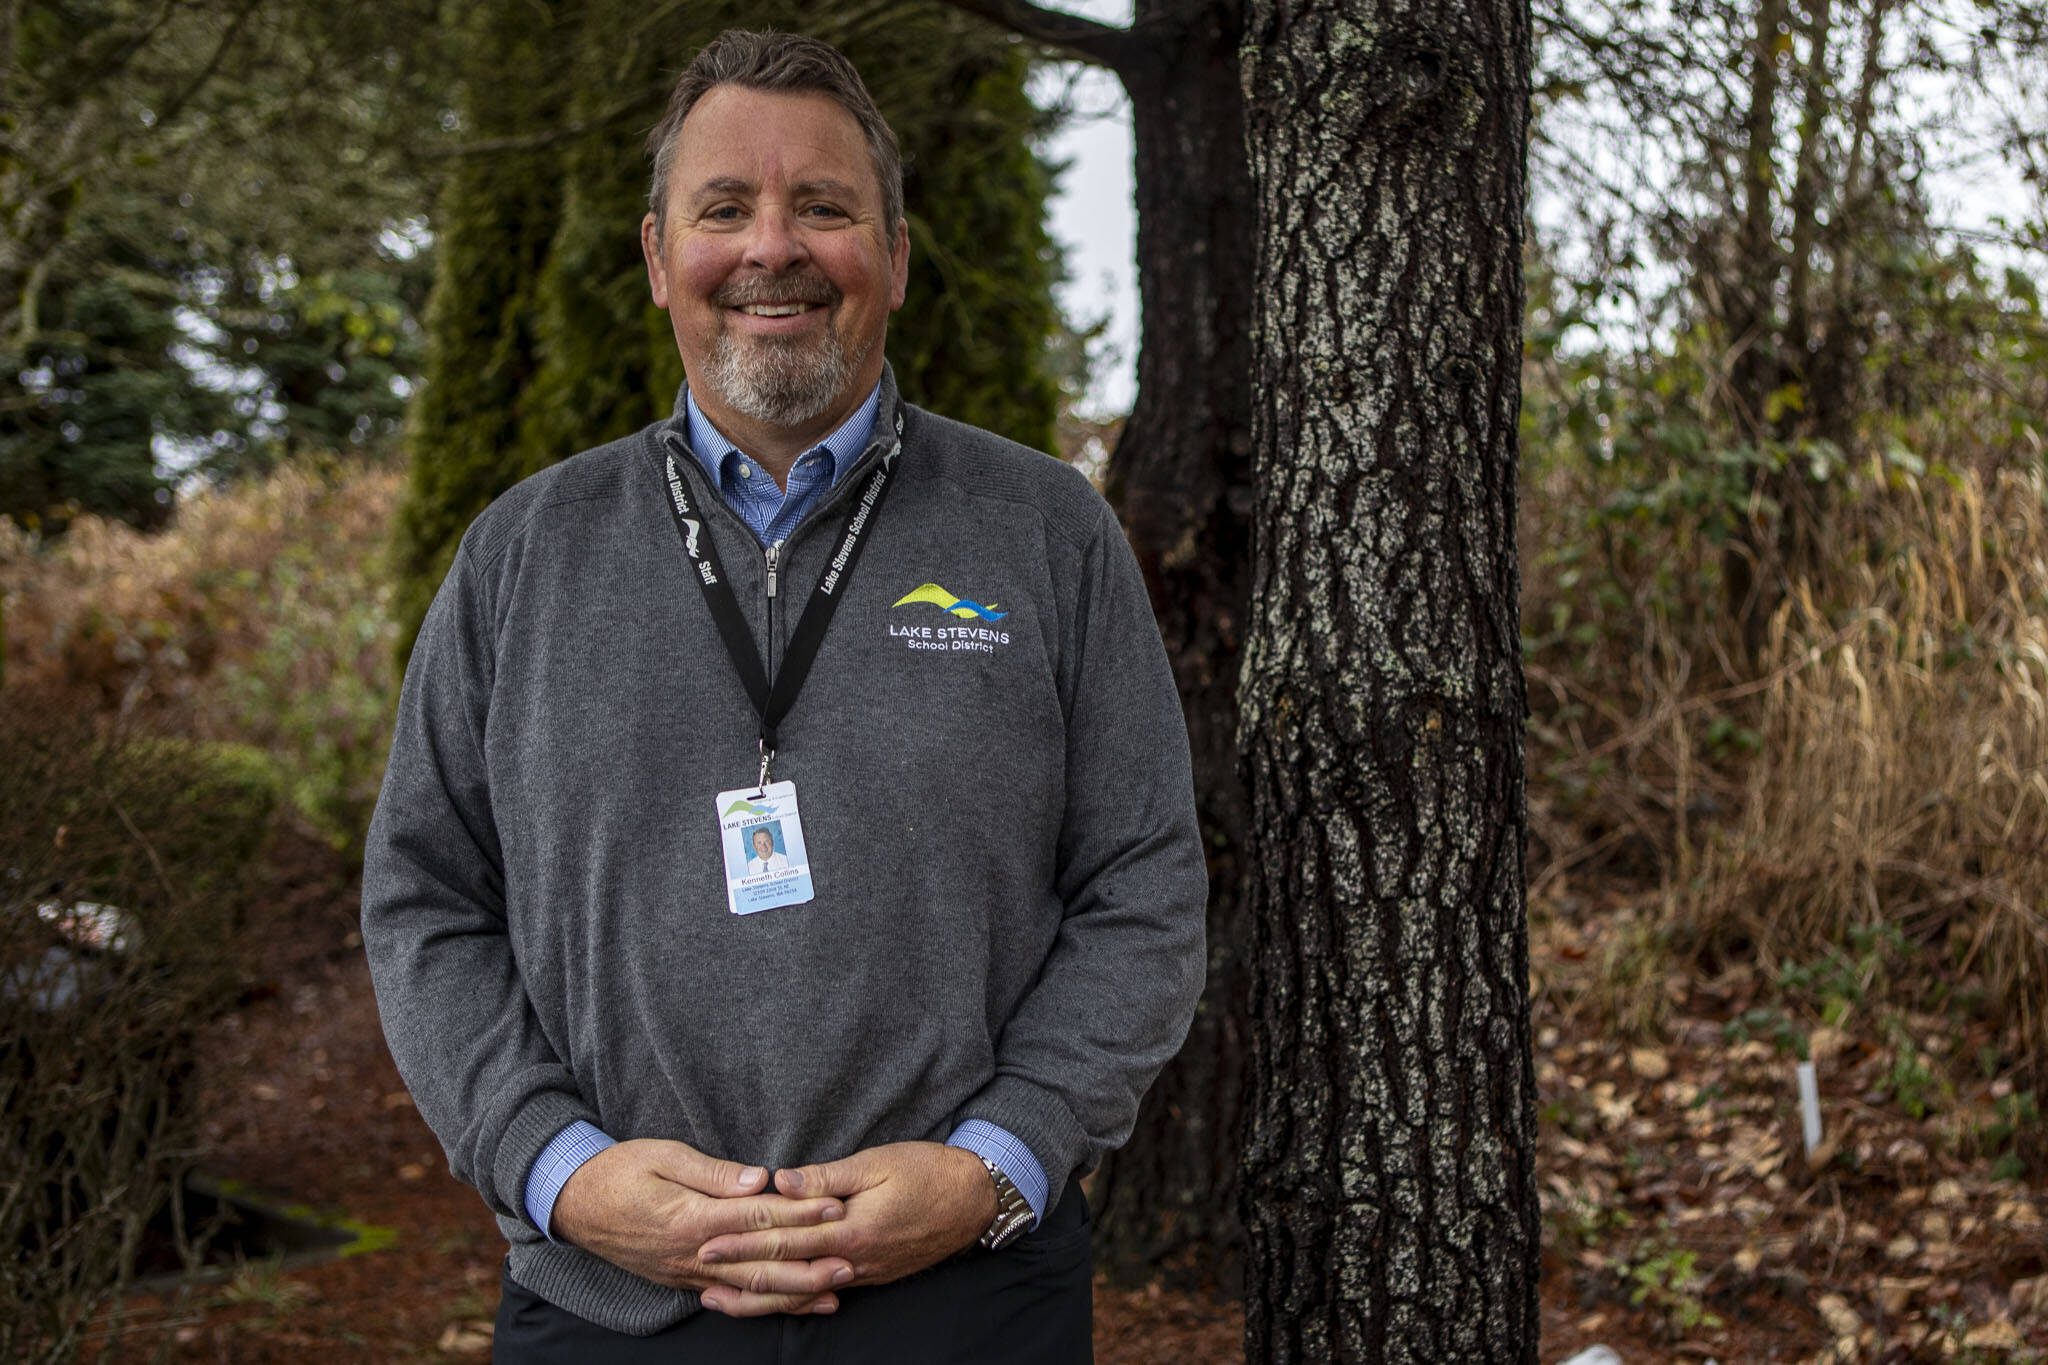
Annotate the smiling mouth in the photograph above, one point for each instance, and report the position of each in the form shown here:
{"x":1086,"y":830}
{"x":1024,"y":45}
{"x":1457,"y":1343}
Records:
{"x":775,"y":310}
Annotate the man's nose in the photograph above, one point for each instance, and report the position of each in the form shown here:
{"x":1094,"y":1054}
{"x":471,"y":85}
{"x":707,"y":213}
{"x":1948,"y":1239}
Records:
{"x":775,"y":244}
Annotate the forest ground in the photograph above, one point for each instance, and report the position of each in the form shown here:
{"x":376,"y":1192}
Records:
{"x":1682,"y":1219}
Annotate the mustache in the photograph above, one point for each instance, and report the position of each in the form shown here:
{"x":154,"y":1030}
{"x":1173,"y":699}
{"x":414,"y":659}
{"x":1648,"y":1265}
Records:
{"x":799,"y":286}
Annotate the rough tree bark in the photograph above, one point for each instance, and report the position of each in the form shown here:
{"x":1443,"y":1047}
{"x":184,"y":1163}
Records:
{"x":1390,"y":1196}
{"x":1181,"y":479}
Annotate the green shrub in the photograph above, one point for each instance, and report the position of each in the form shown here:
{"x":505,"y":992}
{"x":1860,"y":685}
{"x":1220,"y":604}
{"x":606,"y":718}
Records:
{"x":1669,"y":1282}
{"x":315,"y":690}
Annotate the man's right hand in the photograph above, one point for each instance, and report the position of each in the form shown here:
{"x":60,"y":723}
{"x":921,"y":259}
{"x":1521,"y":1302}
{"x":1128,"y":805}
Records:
{"x":647,"y":1206}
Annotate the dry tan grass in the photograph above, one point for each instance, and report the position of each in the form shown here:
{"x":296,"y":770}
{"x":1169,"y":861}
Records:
{"x":1903,"y":776}
{"x":1884,"y":762}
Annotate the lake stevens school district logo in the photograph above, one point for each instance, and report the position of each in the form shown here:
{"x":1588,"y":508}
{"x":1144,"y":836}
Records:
{"x":980,"y":638}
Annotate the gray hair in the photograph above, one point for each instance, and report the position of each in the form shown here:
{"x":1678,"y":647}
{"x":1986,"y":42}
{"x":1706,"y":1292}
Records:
{"x":783,"y":63}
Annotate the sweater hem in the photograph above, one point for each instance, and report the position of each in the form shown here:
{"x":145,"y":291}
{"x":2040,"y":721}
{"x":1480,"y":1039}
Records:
{"x":597,"y":1291}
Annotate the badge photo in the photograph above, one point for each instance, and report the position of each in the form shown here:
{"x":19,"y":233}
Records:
{"x":767,"y":865}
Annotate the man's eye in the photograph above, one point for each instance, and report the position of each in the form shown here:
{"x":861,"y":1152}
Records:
{"x":822,"y":211}
{"x":724,"y":213}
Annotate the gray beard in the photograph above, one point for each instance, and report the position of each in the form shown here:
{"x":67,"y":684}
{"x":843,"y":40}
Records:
{"x":781,"y":384}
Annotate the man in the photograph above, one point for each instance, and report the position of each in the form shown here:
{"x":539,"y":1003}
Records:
{"x":765,"y":858}
{"x":844,"y":1111}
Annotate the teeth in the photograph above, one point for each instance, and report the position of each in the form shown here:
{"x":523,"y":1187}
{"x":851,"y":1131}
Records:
{"x":774,"y":310}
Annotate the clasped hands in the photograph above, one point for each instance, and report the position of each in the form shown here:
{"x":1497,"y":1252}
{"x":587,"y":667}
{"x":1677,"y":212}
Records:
{"x":667,"y":1212}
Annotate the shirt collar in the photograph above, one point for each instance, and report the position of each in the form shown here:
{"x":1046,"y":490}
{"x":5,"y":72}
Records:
{"x":844,"y":446}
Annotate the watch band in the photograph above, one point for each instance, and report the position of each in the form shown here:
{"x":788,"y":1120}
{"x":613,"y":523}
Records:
{"x":1013,"y":1211}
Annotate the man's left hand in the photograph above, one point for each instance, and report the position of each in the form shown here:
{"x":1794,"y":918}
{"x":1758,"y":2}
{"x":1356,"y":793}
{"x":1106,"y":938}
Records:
{"x":908,"y":1205}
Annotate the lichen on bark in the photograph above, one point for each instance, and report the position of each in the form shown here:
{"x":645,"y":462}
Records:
{"x":1391,"y":1210}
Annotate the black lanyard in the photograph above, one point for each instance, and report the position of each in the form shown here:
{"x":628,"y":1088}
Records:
{"x":772,"y":699}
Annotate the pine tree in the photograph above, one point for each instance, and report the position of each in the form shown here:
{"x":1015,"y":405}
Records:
{"x":494,"y":227}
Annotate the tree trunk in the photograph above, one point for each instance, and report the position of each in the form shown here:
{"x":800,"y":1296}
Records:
{"x":1751,"y":329}
{"x":1814,"y":99}
{"x":1845,"y":336}
{"x":1181,"y":479}
{"x":1751,"y":567}
{"x":1390,"y":1197}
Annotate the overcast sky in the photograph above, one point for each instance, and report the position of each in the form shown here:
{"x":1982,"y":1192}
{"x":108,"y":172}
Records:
{"x":1092,"y":213}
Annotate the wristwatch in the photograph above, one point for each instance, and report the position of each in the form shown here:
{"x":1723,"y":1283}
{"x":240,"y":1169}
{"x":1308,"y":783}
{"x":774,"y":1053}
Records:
{"x":1013,"y":1212}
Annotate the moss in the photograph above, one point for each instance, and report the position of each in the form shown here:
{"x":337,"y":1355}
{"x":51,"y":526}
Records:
{"x":363,"y":1238}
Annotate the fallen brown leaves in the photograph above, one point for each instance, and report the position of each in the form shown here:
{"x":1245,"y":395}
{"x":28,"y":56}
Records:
{"x":1683,"y":1220}
{"x":1684,"y":1217}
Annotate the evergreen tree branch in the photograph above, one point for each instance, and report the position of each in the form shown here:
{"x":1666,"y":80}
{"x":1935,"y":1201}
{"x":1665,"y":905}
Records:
{"x":10,"y":27}
{"x":632,"y":105}
{"x":95,"y":67}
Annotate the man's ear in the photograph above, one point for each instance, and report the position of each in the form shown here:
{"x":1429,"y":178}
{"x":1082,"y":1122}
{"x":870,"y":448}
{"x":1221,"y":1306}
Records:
{"x":657,"y":272}
{"x":899,"y":264}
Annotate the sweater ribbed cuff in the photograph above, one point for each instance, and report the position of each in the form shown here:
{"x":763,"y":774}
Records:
{"x":1039,"y":1119}
{"x":531,"y":1128}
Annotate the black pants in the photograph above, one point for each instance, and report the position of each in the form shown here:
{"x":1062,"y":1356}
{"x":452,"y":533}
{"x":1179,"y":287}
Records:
{"x":1032,"y":1303}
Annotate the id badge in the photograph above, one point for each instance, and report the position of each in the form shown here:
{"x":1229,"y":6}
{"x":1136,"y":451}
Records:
{"x":766,"y":863}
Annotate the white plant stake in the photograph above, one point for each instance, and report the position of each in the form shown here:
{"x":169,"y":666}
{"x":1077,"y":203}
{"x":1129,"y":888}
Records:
{"x":1809,"y":1107}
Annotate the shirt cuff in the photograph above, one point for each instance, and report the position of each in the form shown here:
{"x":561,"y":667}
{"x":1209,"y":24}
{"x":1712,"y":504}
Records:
{"x":559,"y":1160}
{"x":1009,"y":1155}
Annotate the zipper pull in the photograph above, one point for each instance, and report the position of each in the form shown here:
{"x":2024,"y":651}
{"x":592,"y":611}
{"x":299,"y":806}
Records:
{"x":774,"y":554}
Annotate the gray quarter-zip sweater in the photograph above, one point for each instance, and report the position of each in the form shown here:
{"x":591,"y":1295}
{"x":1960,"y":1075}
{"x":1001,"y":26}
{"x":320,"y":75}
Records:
{"x":1008,"y":921}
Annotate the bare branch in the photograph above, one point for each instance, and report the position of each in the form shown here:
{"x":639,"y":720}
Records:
{"x":206,"y":73}
{"x":1085,"y":39}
